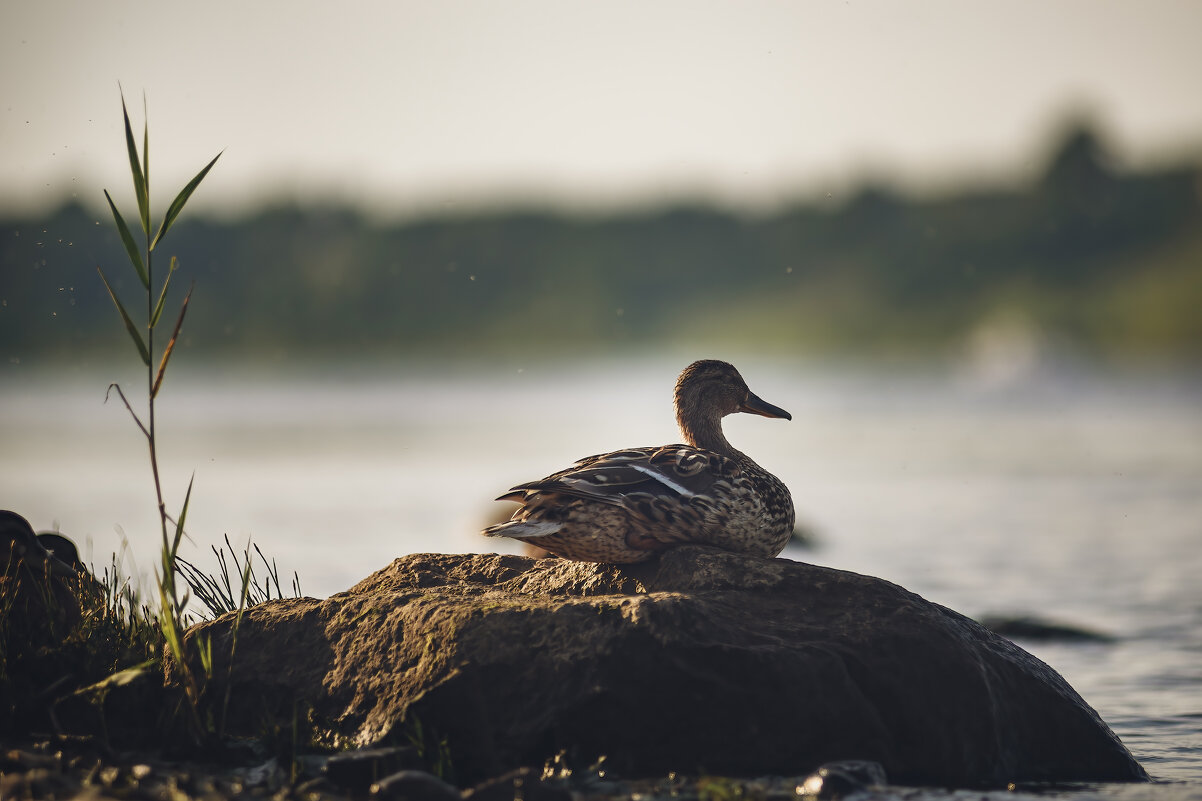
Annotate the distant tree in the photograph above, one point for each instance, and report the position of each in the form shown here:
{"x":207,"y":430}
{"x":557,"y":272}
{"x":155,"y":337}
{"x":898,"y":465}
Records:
{"x":1081,"y":166}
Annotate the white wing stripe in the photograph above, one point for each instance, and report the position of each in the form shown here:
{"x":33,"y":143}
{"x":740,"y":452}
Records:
{"x":523,"y":529}
{"x":661,"y":478}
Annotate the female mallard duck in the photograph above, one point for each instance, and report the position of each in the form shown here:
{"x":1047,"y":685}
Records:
{"x":627,"y":505}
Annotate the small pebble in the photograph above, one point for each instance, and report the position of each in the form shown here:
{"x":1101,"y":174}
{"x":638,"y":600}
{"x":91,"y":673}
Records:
{"x":108,"y":776}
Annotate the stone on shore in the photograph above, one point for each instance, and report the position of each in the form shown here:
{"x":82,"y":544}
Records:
{"x":699,"y":660}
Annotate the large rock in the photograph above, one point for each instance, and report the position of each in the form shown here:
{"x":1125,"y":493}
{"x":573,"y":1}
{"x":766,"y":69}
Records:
{"x":698,"y":660}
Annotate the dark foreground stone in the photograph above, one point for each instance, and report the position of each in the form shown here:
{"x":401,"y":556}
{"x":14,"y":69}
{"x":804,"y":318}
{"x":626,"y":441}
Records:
{"x":697,"y":661}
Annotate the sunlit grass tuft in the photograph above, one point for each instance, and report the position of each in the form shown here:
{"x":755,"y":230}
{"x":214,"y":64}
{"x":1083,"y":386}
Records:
{"x":217,"y":592}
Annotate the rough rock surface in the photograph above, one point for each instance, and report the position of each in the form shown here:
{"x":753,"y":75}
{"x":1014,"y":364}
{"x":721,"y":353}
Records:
{"x":697,"y":660}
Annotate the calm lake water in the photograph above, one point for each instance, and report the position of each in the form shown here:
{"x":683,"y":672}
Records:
{"x":1072,"y":495}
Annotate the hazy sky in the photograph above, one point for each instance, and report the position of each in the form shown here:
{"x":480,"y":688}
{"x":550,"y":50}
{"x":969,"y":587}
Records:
{"x":408,"y":104}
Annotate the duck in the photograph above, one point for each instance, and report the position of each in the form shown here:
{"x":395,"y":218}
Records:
{"x":629,"y":505}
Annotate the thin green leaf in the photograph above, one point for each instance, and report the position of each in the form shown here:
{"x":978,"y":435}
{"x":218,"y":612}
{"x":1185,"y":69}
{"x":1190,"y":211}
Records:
{"x":129,"y":324}
{"x":146,"y":152}
{"x":169,"y":557}
{"x":179,"y":525}
{"x":246,"y":574}
{"x":158,"y":308}
{"x":127,"y":238}
{"x":183,"y":309}
{"x":177,"y":205}
{"x":169,"y":628}
{"x":204,"y":650}
{"x":118,"y":679}
{"x":140,"y":187}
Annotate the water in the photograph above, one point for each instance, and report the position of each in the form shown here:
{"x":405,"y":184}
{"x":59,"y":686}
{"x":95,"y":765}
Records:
{"x":1074,"y":496}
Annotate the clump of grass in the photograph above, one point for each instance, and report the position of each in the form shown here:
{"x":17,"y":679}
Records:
{"x":93,"y":633}
{"x":120,"y":611}
{"x":217,"y":592}
{"x":62,"y":632}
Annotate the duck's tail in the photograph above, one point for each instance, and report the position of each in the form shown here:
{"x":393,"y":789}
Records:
{"x":523,"y":529}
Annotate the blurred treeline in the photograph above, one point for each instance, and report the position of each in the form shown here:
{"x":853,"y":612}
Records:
{"x":1101,"y":260}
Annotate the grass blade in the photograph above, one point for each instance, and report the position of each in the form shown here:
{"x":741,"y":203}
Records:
{"x":204,"y":650}
{"x":140,"y":188}
{"x":179,"y":526}
{"x":169,"y":556}
{"x":118,"y":679}
{"x":129,"y":324}
{"x":167,"y":625}
{"x":127,"y":238}
{"x":177,"y":205}
{"x":158,"y":307}
{"x":183,"y":309}
{"x":146,"y":152}
{"x":246,"y":574}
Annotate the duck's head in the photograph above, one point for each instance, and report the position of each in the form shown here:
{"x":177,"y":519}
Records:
{"x":707,"y":391}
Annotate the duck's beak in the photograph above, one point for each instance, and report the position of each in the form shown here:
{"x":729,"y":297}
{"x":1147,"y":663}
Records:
{"x":755,"y":405}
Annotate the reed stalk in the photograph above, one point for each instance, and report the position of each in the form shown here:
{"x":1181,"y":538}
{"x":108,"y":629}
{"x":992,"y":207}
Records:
{"x":172,"y":605}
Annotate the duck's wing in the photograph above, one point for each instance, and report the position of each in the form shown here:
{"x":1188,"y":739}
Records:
{"x":631,"y":478}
